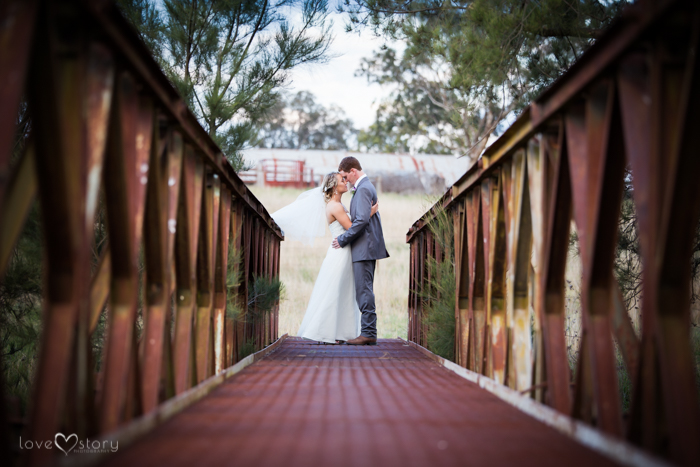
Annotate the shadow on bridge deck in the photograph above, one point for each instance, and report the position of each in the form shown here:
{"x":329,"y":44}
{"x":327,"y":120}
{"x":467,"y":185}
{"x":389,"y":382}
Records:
{"x":309,"y":404}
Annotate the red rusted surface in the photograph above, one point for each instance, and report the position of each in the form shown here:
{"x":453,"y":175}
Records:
{"x":623,"y":113}
{"x":98,"y":99}
{"x":309,"y":404}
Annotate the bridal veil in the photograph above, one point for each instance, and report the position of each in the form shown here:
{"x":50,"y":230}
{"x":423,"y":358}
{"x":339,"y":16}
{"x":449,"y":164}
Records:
{"x":305,"y":219}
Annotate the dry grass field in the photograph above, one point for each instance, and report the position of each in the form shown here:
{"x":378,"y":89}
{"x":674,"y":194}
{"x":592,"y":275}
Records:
{"x":300,"y":263}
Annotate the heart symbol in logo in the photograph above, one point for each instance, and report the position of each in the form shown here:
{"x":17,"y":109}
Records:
{"x":65,"y":440}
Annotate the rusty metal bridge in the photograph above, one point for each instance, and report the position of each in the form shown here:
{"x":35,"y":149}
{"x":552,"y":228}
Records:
{"x":177,"y":384}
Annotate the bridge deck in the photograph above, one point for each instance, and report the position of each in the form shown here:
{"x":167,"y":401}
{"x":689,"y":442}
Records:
{"x":309,"y":404}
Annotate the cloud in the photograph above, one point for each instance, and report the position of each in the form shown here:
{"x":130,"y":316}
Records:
{"x":335,"y":82}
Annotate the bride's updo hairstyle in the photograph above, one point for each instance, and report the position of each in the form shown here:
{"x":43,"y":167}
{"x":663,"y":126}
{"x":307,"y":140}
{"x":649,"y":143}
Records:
{"x":330,"y":181}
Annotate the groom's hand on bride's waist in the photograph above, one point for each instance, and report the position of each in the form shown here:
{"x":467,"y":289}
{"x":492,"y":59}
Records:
{"x":335,"y":243}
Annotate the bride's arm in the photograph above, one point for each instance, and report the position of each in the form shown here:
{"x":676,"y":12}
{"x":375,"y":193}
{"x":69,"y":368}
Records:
{"x":338,"y":213}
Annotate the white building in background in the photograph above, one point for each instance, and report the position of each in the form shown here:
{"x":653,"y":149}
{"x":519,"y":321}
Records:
{"x":429,"y":169}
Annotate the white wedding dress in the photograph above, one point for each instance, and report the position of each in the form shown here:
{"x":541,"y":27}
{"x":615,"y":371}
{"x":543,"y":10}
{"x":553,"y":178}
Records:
{"x":332,"y":313}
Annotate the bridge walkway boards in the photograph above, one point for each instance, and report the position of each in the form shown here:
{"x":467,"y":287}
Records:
{"x":308,"y":404}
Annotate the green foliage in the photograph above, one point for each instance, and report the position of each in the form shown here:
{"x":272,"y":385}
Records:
{"x":523,"y":45}
{"x":422,"y":114}
{"x":468,"y":64}
{"x":20,"y":311}
{"x":248,"y":348}
{"x":229,"y":58}
{"x":695,"y":346}
{"x":439,"y":296}
{"x":624,"y":382}
{"x":234,"y":310}
{"x":21,"y":291}
{"x":145,"y":18}
{"x":299,"y":122}
{"x":263,"y":294}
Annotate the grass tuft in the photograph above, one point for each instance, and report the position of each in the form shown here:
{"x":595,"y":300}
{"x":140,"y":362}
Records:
{"x":264,"y":293}
{"x":439,"y":296}
{"x":246,"y":349}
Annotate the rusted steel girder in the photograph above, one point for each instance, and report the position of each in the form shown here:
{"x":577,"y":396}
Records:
{"x":111,"y":139}
{"x":206,"y":260}
{"x":629,"y":102}
{"x":159,"y":240}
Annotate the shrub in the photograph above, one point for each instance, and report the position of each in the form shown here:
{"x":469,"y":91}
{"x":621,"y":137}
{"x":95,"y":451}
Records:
{"x":263,"y":295}
{"x":20,"y":311}
{"x":439,"y":295}
{"x":234,"y":310}
{"x":248,"y":348}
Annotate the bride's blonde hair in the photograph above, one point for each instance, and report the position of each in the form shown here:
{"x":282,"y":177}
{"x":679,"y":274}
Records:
{"x":330,"y":181}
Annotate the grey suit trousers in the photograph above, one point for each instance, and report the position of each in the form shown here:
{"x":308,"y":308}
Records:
{"x":364,"y":293}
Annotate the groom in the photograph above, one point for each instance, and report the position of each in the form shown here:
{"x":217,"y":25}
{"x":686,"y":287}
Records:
{"x":365,"y":235}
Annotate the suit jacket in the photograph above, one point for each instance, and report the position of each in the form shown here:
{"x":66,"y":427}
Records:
{"x":365,"y":234}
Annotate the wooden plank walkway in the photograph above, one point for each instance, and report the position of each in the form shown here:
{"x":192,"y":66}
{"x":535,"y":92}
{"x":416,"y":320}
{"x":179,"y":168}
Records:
{"x":307,"y":404}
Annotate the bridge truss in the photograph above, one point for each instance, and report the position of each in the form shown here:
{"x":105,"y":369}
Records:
{"x":110,"y":136}
{"x":630,"y":103}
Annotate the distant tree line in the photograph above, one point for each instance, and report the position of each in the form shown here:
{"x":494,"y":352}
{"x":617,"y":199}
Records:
{"x":299,"y":122}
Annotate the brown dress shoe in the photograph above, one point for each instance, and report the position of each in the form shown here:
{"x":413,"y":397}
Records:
{"x":362,"y":340}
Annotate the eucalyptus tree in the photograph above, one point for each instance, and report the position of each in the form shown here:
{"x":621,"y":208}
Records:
{"x":423,"y":114}
{"x":474,"y":61}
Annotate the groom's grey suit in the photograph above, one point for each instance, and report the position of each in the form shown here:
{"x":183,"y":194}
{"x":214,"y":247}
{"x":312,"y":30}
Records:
{"x":367,"y":239}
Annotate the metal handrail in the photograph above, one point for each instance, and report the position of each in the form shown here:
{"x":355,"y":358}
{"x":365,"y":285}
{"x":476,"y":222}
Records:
{"x":628,"y":103}
{"x":111,"y":135}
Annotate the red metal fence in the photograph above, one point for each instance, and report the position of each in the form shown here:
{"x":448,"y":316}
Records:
{"x":630,"y":103}
{"x":111,"y":137}
{"x":281,"y":173}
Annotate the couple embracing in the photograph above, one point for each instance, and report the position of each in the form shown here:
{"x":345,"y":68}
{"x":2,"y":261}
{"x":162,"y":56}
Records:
{"x":342,"y":306}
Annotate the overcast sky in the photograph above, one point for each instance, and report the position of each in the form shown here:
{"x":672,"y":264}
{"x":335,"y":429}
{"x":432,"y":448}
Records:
{"x":335,"y":82}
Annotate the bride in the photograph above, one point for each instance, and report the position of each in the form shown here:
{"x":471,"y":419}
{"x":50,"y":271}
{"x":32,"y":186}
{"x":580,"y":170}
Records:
{"x":332,"y":314}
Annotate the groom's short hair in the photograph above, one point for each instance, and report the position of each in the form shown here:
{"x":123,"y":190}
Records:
{"x":349,"y":163}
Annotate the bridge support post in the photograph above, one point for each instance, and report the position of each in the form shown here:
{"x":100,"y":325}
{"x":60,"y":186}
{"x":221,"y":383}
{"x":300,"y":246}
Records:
{"x":221,"y":273}
{"x":206,"y":260}
{"x":186,"y":240}
{"x":126,"y":168}
{"x":159,"y":240}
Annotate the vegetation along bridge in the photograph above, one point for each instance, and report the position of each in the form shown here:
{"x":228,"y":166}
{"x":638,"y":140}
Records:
{"x":207,"y":379}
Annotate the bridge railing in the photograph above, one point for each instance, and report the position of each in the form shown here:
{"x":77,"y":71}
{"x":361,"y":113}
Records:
{"x":628,"y":106}
{"x":111,"y":138}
